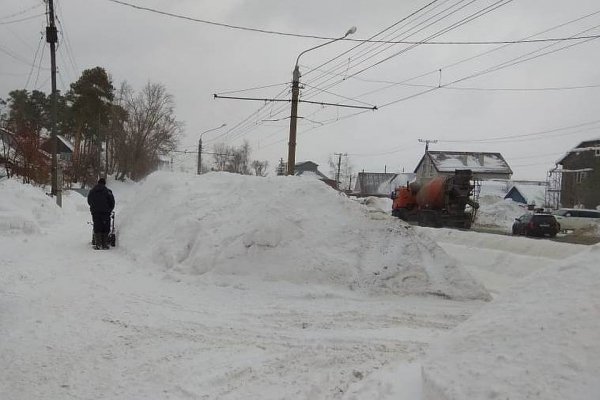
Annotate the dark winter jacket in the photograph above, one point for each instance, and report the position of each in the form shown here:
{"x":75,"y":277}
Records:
{"x":101,"y":199}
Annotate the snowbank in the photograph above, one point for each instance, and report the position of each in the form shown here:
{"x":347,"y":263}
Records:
{"x":539,"y":340}
{"x":496,"y":212}
{"x":282,"y":229}
{"x":25,"y":209}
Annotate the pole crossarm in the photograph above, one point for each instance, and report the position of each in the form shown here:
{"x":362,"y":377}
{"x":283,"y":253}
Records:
{"x":321,"y":103}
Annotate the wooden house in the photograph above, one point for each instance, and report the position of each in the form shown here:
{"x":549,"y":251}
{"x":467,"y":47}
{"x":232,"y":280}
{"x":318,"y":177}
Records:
{"x":580,"y":171}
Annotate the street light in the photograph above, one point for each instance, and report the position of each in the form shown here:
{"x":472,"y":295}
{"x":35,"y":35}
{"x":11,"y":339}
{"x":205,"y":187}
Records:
{"x":295,"y":94}
{"x":200,"y":146}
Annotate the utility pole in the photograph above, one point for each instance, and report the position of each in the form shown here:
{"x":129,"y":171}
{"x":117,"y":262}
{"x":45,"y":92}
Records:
{"x":293,"y":121}
{"x":427,"y":141}
{"x":337,"y":177}
{"x":199,"y":156}
{"x":199,"y":172}
{"x":52,"y":38}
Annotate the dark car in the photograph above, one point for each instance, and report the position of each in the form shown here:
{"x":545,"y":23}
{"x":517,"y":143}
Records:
{"x":536,"y":225}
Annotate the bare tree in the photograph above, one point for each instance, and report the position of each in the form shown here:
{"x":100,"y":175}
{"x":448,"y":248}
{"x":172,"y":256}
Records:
{"x":260,"y":167}
{"x":237,"y":160}
{"x":345,"y":170}
{"x":149,"y":132}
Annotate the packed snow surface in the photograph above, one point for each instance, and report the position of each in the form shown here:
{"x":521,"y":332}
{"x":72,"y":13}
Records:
{"x":539,"y":340}
{"x":135,"y":323}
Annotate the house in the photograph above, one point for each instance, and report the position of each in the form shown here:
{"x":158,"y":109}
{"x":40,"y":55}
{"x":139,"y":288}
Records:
{"x":485,"y":166}
{"x":580,"y":175}
{"x":380,"y":184}
{"x":309,"y":168}
{"x":534,"y":194}
{"x":64,"y":149}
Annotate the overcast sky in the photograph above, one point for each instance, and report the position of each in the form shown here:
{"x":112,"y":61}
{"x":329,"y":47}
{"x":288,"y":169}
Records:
{"x":194,"y":60}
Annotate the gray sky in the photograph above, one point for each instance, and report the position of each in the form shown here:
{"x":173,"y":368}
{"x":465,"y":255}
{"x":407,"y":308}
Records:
{"x":195,"y":60}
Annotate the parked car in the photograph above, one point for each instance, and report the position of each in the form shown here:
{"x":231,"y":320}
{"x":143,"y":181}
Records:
{"x":576,"y":218}
{"x":536,"y":225}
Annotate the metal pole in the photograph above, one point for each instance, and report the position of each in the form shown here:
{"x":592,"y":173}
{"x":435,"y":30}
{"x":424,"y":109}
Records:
{"x":52,"y":38}
{"x":337,"y":178}
{"x":199,"y":156}
{"x":293,"y":121}
{"x":295,"y":94}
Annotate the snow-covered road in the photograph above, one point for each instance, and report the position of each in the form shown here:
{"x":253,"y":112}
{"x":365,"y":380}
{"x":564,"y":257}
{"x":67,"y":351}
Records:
{"x":78,"y":323}
{"x":84,"y":324}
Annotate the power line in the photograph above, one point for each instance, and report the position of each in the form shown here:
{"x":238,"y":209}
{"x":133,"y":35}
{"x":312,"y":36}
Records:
{"x":470,"y":58}
{"x":321,"y":103}
{"x":22,"y":19}
{"x":66,"y":41}
{"x":16,"y":14}
{"x":404,"y":19}
{"x":253,"y":88}
{"x":40,"y":44}
{"x":311,"y":36}
{"x":537,"y":133}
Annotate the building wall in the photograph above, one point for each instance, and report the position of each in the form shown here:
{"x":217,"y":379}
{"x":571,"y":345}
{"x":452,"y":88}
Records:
{"x":581,"y":188}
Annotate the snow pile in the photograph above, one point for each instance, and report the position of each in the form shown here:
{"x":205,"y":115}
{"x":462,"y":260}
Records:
{"x":539,"y":340}
{"x":25,"y":209}
{"x":497,"y":212}
{"x":497,"y":187}
{"x":282,"y":229}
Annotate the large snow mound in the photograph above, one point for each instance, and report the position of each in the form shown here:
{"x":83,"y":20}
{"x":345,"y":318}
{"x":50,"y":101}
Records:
{"x":25,"y":209}
{"x":540,"y":340}
{"x":496,"y":212}
{"x":282,"y":228}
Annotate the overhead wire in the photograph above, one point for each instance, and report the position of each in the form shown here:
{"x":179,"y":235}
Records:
{"x":40,"y":44}
{"x":279,"y":109}
{"x":469,"y":18}
{"x":65,"y":40}
{"x":479,"y":55}
{"x":16,"y":14}
{"x":320,"y":37}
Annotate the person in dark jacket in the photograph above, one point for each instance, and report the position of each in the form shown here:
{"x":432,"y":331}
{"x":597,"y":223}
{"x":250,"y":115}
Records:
{"x":102,"y":203}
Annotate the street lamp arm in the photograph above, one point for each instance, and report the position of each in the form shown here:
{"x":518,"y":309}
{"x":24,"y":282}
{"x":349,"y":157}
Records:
{"x":349,"y":32}
{"x":212,"y":129}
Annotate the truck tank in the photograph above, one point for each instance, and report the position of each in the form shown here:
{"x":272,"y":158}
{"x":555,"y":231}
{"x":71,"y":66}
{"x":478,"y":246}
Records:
{"x":441,"y":201}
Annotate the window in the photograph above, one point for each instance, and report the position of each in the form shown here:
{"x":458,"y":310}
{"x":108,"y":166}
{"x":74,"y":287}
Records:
{"x":581,"y":176}
{"x":597,"y":153}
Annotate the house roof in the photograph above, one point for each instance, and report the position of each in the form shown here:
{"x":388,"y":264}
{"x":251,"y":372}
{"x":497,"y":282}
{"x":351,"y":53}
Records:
{"x":532,"y":194}
{"x":586,"y":145}
{"x":66,"y":142}
{"x":369,"y":182}
{"x":309,"y":168}
{"x":478,"y":162}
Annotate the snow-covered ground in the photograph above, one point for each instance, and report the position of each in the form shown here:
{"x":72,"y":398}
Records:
{"x":235,"y":287}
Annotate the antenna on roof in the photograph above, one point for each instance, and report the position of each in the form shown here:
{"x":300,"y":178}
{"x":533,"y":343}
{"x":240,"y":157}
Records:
{"x":427,"y":141}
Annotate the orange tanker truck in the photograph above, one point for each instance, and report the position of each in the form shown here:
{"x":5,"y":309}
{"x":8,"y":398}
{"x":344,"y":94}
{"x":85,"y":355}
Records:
{"x":442,"y":201}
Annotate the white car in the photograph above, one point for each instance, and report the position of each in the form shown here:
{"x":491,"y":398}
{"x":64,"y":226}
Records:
{"x":576,"y":218}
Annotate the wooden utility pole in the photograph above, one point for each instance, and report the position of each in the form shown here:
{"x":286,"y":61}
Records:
{"x":52,"y":38}
{"x":293,"y":121}
{"x":337,"y":177}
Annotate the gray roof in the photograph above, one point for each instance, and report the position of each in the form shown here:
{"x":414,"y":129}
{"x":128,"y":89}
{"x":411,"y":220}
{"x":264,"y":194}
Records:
{"x":369,"y":182}
{"x":308,"y":168}
{"x":478,"y":162}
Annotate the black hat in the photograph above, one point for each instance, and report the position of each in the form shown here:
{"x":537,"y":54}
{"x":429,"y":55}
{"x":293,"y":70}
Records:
{"x":101,"y":181}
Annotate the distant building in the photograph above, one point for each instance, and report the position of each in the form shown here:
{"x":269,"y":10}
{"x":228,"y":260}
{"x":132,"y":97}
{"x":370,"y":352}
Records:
{"x":580,"y":176}
{"x":530,"y":194}
{"x":309,"y":168}
{"x":485,"y":166}
{"x":64,"y":148}
{"x":380,"y":184}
